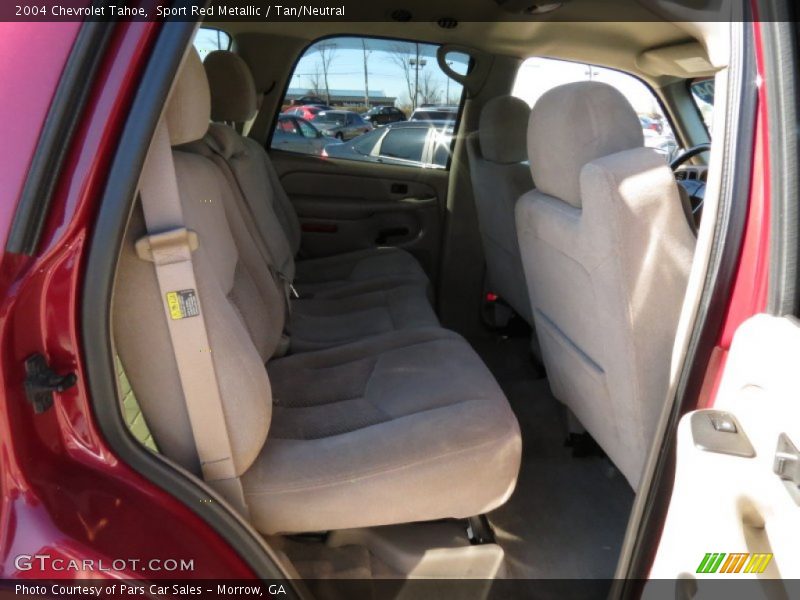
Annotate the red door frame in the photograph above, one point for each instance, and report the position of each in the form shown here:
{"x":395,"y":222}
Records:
{"x":64,"y":492}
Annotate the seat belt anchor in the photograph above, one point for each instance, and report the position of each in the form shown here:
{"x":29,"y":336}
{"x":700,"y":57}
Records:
{"x":167,"y":245}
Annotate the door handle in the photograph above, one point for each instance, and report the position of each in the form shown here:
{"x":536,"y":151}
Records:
{"x":787,"y":465}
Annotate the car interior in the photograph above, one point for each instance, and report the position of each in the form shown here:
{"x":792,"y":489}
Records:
{"x":442,"y":372}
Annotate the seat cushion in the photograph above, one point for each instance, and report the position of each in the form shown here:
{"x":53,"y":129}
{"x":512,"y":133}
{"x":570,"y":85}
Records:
{"x":322,"y":322}
{"x":378,"y":267}
{"x":403,"y":427}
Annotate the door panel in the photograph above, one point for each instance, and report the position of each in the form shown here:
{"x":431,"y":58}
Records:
{"x":348,"y":205}
{"x":723,"y":502}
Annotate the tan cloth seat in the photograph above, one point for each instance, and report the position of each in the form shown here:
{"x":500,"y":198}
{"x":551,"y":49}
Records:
{"x":607,"y":251}
{"x":405,"y":426}
{"x":497,"y":154}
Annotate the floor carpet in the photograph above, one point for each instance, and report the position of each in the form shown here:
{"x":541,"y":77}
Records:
{"x":567,"y":516}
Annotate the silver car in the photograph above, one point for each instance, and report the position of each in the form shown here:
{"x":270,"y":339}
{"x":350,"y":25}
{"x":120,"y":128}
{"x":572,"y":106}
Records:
{"x":295,"y":134}
{"x":341,"y":124}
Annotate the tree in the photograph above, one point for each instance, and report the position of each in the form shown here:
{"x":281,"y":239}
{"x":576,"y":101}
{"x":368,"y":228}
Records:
{"x":430,"y":89}
{"x":315,"y":80}
{"x":366,"y":54}
{"x":402,"y":55}
{"x":326,"y":53}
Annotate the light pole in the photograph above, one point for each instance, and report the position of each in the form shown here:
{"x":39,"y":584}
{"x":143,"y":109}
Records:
{"x":417,"y":63}
{"x":447,"y":93}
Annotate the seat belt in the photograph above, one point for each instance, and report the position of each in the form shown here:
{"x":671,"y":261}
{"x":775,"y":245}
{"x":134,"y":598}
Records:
{"x":169,"y":245}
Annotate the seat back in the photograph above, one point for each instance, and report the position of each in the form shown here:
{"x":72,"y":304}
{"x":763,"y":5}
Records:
{"x":234,"y":101}
{"x":242,"y":306}
{"x":607,"y":251}
{"x":499,"y":176}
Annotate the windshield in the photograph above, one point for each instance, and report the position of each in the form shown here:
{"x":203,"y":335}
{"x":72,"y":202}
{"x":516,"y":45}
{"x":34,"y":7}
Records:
{"x":703,"y":94}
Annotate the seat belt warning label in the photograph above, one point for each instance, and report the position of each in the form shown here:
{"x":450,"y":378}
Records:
{"x":182,"y":304}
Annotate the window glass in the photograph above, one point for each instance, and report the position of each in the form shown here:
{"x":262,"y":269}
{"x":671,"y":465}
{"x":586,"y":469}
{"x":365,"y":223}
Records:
{"x":365,"y":143}
{"x":538,"y":75}
{"x":208,"y":39}
{"x":703,"y":94}
{"x":288,"y":126}
{"x":407,"y":143}
{"x":306,"y":129}
{"x":385,"y":80}
{"x":443,"y":142}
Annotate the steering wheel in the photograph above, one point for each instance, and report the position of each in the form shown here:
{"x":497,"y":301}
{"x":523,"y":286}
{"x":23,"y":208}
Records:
{"x":688,"y":155}
{"x":695,"y":188}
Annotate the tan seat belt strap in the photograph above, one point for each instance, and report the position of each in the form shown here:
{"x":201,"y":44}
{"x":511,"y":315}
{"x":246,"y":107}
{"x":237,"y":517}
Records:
{"x":169,"y":246}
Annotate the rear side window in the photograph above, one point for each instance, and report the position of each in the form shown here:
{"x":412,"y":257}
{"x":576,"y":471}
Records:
{"x":390,"y":78}
{"x":208,"y":40}
{"x":538,"y":75}
{"x":407,"y":143}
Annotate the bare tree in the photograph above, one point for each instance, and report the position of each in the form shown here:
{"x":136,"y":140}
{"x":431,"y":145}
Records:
{"x":315,"y":80}
{"x":430,"y":90}
{"x":402,"y":55}
{"x":366,"y":54}
{"x":327,"y":51}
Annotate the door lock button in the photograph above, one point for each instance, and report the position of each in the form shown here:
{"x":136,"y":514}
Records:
{"x":723,"y":422}
{"x":719,"y":431}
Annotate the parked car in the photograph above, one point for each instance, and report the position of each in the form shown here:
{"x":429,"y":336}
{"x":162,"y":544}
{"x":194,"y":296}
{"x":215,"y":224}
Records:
{"x":295,"y":134}
{"x":341,"y":124}
{"x":308,"y":100}
{"x":651,"y":124}
{"x":382,"y":115}
{"x":410,"y":143}
{"x":307,"y":111}
{"x":663,"y":144}
{"x":435,"y":113}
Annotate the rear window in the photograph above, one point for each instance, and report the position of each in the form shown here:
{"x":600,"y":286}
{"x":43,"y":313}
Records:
{"x":434,"y":115}
{"x":329,"y":119}
{"x":209,"y":39}
{"x":407,"y":143}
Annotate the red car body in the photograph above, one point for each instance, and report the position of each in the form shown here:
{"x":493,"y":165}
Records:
{"x":64,"y":491}
{"x":307,"y":112}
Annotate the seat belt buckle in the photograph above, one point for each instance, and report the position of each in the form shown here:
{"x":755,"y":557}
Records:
{"x":293,"y":291}
{"x":167,"y":247}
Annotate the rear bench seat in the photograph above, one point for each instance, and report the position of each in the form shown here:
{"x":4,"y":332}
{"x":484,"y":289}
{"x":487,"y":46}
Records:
{"x":332,"y":300}
{"x":408,"y":425}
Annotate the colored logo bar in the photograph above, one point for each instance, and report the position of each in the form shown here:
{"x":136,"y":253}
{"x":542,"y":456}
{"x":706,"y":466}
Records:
{"x":741,"y":562}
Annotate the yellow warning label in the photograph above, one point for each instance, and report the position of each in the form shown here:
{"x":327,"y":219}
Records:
{"x":174,"y":304}
{"x":183,"y":304}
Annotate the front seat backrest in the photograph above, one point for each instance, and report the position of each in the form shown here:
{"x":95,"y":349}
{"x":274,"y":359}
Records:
{"x":497,"y":152}
{"x":607,"y":252}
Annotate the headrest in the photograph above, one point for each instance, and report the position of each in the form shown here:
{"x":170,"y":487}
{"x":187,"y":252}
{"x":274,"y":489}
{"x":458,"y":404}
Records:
{"x":501,"y":131}
{"x":572,"y":125}
{"x":189,"y":105}
{"x":233,"y":91}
